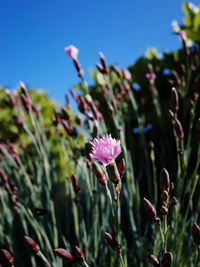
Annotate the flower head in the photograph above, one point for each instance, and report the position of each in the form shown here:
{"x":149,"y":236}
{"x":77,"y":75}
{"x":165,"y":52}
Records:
{"x":106,"y":149}
{"x":72,"y":51}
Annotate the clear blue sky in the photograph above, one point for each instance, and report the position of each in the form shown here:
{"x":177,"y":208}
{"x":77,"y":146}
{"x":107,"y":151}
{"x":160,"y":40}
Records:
{"x":34,"y":33}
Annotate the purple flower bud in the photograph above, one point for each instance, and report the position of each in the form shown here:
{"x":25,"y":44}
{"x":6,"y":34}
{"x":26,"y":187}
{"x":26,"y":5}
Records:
{"x":154,"y":260}
{"x":101,"y":176}
{"x":64,"y":254}
{"x":79,"y":254}
{"x":179,"y":129}
{"x":9,"y":258}
{"x":164,"y":180}
{"x":196,"y":233}
{"x":174,"y":102}
{"x":32,"y":244}
{"x":150,"y":208}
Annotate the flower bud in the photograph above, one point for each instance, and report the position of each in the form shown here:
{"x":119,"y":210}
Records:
{"x":101,"y":176}
{"x":164,"y":210}
{"x":121,"y":167}
{"x":164,"y":195}
{"x":113,"y":172}
{"x":32,"y":244}
{"x":174,"y":102}
{"x":196,"y":233}
{"x":179,"y":129}
{"x":79,"y":254}
{"x":150,"y":208}
{"x":154,"y":260}
{"x":167,"y":260}
{"x":164,"y":180}
{"x":75,"y":183}
{"x":64,"y":254}
{"x":112,"y":241}
{"x":103,"y":63}
{"x":9,"y":258}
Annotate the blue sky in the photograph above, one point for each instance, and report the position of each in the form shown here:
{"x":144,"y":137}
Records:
{"x":34,"y":33}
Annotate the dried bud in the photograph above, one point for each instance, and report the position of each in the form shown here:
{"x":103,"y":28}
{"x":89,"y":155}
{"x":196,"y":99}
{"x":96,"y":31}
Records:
{"x":75,"y":183}
{"x":174,"y":102}
{"x":154,"y":260}
{"x":164,"y":210}
{"x":164,"y":180}
{"x":64,"y":254}
{"x":167,"y":260}
{"x":32,"y":244}
{"x":179,"y":129}
{"x":150,"y":208}
{"x":113,"y":172}
{"x":121,"y":167}
{"x":101,"y":176}
{"x":164,"y":195}
{"x":196,"y":233}
{"x":112,"y":241}
{"x":79,"y":254}
{"x":8,"y":256}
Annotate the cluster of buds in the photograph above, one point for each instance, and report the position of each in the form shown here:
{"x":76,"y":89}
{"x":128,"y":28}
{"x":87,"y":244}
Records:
{"x":166,"y":260}
{"x":76,"y":255}
{"x":164,"y":189}
{"x":12,"y":190}
{"x":63,"y":118}
{"x":87,"y":106}
{"x":110,"y":238}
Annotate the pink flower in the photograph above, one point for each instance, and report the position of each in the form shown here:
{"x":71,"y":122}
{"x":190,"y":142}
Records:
{"x":72,"y":51}
{"x":127,"y":74}
{"x":106,"y":149}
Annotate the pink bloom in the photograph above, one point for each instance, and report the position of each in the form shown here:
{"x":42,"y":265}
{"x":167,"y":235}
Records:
{"x":106,"y":149}
{"x":72,"y":51}
{"x":127,"y":74}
